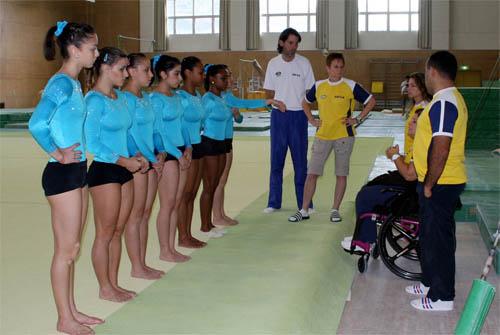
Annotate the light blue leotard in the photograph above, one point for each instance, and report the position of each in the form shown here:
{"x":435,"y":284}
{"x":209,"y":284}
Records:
{"x":107,"y":125}
{"x":58,"y":119}
{"x":234,"y":102}
{"x":140,"y":136}
{"x":218,"y":113}
{"x":193,"y":116}
{"x":168,"y":113}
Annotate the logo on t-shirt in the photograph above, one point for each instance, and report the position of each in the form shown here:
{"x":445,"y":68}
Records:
{"x":296,"y":75}
{"x":278,"y":73}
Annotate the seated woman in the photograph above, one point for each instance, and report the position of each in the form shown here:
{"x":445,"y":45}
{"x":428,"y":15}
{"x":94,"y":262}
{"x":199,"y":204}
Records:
{"x":380,"y":191}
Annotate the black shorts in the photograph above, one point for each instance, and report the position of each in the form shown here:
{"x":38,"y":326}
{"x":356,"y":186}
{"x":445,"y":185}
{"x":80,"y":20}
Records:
{"x":198,"y":151}
{"x":213,"y":147}
{"x":59,"y":178}
{"x":229,"y":145}
{"x":108,"y":173}
{"x":171,"y":157}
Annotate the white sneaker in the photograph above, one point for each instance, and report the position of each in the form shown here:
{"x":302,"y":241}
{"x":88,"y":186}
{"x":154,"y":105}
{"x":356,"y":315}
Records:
{"x":348,"y":238}
{"x":219,"y":230}
{"x":269,"y":210}
{"x":213,"y":234}
{"x":311,"y":211}
{"x":426,"y":304}
{"x":335,"y":216}
{"x":417,"y":289}
{"x":346,"y":244}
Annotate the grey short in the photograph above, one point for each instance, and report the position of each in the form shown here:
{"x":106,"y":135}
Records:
{"x":321,"y":150}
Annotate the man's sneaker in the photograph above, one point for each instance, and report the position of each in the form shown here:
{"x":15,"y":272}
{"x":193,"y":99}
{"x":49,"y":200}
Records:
{"x":299,"y":216}
{"x":417,"y":289}
{"x":335,"y":216}
{"x":311,"y":211}
{"x":426,"y":304}
{"x":346,"y":244}
{"x":269,"y":210}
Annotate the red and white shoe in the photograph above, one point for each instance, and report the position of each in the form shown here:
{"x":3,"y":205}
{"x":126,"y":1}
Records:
{"x":417,"y":289}
{"x":426,"y":304}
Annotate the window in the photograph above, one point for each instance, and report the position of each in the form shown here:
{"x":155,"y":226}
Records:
{"x":188,"y":17}
{"x":388,"y":15}
{"x":277,"y":15}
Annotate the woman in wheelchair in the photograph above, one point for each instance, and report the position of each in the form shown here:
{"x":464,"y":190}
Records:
{"x":391,"y":198}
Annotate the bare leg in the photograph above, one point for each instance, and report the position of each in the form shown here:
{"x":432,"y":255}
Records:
{"x":144,"y":226}
{"x":66,"y":210}
{"x":219,"y":216}
{"x":309,"y":190}
{"x":167,"y":189}
{"x":79,"y":316}
{"x":132,"y":229}
{"x":106,"y":199}
{"x":193,"y":180}
{"x":340,"y":187}
{"x":213,"y":168}
{"x":175,"y":213}
{"x":115,"y":247}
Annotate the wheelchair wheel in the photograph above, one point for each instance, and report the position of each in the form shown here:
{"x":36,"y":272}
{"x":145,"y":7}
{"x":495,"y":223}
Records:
{"x":398,"y":239}
{"x":375,"y":251}
{"x":398,"y":248}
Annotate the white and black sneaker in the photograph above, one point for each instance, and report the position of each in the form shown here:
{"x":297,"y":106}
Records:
{"x":335,"y":216}
{"x":299,"y":216}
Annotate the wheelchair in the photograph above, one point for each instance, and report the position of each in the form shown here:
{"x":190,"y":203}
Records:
{"x":397,"y":235}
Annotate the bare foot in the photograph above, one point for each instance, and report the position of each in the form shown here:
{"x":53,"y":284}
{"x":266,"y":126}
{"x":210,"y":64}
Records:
{"x":194,"y":240}
{"x":87,"y":319}
{"x":145,"y":273}
{"x":160,"y":272}
{"x":174,"y":257}
{"x":223,"y":222}
{"x":73,"y":327}
{"x":233,"y":221}
{"x":188,"y":243}
{"x":121,"y":289}
{"x":182,"y":257}
{"x":114,"y":295}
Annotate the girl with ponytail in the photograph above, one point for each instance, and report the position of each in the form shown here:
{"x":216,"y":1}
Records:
{"x":175,"y":141}
{"x":111,"y":173}
{"x":140,"y":141}
{"x":57,"y":126}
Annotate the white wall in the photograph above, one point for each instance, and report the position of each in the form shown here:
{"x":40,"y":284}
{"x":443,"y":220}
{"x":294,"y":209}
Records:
{"x":474,"y":24}
{"x":456,"y":24}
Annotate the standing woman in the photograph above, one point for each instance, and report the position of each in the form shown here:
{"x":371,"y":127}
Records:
{"x":110,"y":174}
{"x":219,"y":214}
{"x":418,"y":93}
{"x":57,"y":126}
{"x":214,"y":161}
{"x":168,"y":113}
{"x":192,"y":75}
{"x":140,"y":142}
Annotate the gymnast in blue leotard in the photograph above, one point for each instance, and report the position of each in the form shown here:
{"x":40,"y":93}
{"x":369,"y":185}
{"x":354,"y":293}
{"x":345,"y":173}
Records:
{"x":218,"y":132}
{"x":111,"y":173}
{"x":194,"y":113}
{"x":218,"y":212}
{"x":140,"y":142}
{"x":57,"y":126}
{"x":176,"y":142}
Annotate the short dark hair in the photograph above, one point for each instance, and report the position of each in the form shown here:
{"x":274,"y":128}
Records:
{"x":333,"y":56}
{"x":445,"y":63}
{"x":284,"y":36}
